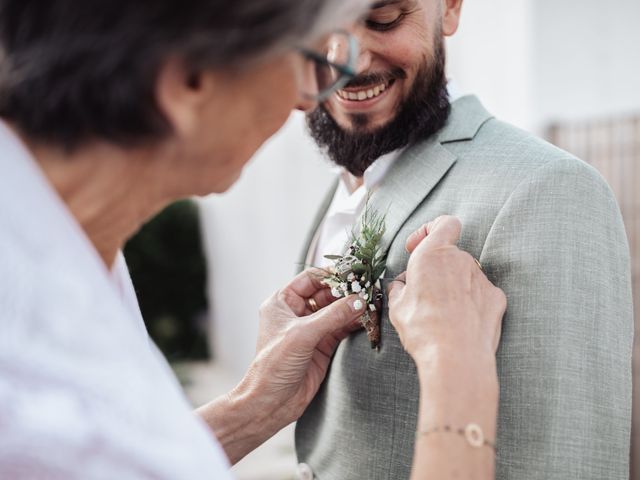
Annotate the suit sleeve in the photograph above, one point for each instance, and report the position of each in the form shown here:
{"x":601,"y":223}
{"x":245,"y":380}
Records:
{"x":558,"y":249}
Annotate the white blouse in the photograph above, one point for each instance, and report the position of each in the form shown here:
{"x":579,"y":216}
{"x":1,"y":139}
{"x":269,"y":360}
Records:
{"x":84,"y":393}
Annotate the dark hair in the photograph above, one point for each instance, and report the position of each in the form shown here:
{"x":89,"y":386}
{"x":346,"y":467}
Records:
{"x":76,"y":70}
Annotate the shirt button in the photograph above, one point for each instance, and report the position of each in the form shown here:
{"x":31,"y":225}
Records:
{"x":304,"y":472}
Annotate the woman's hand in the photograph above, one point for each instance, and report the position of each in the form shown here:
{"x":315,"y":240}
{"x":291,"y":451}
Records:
{"x":447,"y":302}
{"x":295,"y":344}
{"x":294,"y":349}
{"x":448,"y":316}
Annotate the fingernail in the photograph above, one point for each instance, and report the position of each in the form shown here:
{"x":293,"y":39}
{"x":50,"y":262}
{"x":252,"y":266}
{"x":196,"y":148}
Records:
{"x":358,"y":305}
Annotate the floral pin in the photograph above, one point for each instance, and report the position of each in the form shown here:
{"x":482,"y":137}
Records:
{"x":358,"y":271}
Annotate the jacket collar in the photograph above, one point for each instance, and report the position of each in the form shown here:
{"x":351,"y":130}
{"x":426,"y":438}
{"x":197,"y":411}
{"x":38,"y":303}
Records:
{"x":421,"y":167}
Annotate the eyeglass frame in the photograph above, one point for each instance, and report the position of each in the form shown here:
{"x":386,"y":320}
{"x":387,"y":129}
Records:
{"x":347,"y":71}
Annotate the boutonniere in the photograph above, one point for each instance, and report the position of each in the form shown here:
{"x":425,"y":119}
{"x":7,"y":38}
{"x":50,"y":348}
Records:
{"x":358,"y":271}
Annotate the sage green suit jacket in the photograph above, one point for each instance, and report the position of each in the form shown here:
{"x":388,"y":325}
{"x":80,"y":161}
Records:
{"x":548,"y":231}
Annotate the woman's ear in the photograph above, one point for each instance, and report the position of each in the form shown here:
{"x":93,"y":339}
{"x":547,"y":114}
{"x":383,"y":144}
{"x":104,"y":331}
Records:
{"x":451,"y":16}
{"x":181,"y":95}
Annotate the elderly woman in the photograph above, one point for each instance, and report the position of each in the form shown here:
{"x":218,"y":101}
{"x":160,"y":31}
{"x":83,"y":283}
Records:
{"x":112,"y":109}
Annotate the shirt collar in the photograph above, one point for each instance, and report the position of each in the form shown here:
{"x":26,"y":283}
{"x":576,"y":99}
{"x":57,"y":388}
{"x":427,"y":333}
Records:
{"x":378,"y":169}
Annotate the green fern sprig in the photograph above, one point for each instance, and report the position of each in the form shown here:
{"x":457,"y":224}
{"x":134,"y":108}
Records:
{"x":360,"y":268}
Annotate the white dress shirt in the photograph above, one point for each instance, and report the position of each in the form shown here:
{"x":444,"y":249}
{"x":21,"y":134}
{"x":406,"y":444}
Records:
{"x":346,"y":207}
{"x":84,"y":393}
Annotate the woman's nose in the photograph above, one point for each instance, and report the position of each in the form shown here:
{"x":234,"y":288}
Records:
{"x":308,"y":89}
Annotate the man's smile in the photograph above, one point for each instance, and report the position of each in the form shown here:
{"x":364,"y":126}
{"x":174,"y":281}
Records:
{"x":364,"y":93}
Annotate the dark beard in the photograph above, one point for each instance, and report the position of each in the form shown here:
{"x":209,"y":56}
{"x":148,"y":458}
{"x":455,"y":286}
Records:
{"x":423,"y":113}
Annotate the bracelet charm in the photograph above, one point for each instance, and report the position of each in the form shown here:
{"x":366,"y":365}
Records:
{"x":472,"y":433}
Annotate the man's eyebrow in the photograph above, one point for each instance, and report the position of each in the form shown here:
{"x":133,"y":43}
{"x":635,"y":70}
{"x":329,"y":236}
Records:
{"x":384,"y":3}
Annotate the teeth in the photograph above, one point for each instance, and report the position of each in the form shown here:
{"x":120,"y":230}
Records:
{"x":362,"y":94}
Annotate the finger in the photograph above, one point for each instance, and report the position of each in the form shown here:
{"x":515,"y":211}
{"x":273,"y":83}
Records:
{"x":341,"y":314}
{"x":322,"y":298}
{"x":307,"y":283}
{"x":443,"y":231}
{"x":415,"y":238}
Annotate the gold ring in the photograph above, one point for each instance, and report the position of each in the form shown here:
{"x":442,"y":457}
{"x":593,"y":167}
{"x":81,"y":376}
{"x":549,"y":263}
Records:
{"x":313,"y":306}
{"x":478,"y":263}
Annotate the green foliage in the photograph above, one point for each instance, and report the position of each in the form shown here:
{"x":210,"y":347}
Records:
{"x":364,"y":262}
{"x":360,"y":268}
{"x":168,"y":270}
{"x":367,"y":244}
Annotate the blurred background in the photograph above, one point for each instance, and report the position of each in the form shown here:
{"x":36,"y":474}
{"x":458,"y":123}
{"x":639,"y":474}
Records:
{"x":567,"y":70}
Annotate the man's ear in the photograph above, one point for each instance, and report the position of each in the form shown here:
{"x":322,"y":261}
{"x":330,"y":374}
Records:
{"x":181,"y":95}
{"x":451,"y":16}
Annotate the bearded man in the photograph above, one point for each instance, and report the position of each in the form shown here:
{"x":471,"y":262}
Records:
{"x":546,"y":230}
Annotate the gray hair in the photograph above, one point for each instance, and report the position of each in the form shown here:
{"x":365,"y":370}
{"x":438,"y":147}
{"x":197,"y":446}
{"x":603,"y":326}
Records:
{"x":73,"y":70}
{"x":260,"y":29}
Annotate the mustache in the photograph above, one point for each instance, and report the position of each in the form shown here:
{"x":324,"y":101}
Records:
{"x":376,"y":78}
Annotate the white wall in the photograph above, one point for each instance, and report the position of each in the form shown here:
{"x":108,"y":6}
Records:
{"x":254,"y":234}
{"x":490,"y":56}
{"x":536,"y":61}
{"x":587,"y":59}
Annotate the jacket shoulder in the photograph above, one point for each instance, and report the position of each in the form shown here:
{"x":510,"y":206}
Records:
{"x":512,"y":156}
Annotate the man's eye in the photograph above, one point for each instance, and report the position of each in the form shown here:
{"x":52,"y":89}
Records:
{"x":384,"y":22}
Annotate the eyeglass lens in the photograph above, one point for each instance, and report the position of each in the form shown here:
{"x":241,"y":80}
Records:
{"x":337,"y":50}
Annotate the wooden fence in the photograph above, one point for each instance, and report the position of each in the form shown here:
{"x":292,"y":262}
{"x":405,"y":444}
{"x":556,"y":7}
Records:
{"x":613,"y":147}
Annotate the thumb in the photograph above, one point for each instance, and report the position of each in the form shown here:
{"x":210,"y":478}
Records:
{"x":341,"y":314}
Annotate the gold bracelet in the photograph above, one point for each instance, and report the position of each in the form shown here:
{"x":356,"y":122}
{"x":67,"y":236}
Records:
{"x":472,"y":433}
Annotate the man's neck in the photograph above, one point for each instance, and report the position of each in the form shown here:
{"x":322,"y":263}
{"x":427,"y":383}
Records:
{"x":351,"y":181}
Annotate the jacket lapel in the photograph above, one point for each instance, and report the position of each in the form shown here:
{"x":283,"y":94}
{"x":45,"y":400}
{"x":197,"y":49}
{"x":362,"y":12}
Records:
{"x":407,"y":184}
{"x":414,"y":175}
{"x":420,"y":168}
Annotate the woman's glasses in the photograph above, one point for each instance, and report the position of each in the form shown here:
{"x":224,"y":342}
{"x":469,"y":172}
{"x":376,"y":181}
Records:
{"x":334,"y":65}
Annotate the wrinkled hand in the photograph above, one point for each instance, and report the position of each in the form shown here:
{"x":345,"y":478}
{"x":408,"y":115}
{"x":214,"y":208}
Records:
{"x":447,"y":301}
{"x":295,"y":345}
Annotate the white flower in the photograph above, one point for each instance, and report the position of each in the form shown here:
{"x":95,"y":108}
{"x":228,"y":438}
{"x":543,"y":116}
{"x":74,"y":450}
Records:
{"x":356,"y":287}
{"x":367,"y":285}
{"x":343,"y":268}
{"x":364,"y":295}
{"x":351,"y":277}
{"x":336,"y":292}
{"x":372,"y":307}
{"x":344,"y":287}
{"x":362,"y":278}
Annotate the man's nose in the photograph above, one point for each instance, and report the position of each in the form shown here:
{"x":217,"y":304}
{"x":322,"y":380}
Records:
{"x":364,"y":61}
